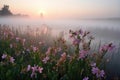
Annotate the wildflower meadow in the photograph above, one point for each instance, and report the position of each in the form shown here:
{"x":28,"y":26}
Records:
{"x":24,"y":56}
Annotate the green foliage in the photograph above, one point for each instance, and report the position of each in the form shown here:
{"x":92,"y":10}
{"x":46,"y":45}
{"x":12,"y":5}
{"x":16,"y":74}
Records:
{"x":24,"y":59}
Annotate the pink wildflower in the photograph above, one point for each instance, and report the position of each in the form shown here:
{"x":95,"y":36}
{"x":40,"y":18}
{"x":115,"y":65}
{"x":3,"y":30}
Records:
{"x":33,"y":74}
{"x":111,"y":46}
{"x":34,"y":69}
{"x":35,"y":49}
{"x":45,"y":59}
{"x":40,"y":69}
{"x":29,"y":67}
{"x":95,"y":70}
{"x":12,"y":59}
{"x":99,"y":73}
{"x":82,"y":54}
{"x":85,"y":78}
{"x":48,"y":51}
{"x":74,"y":34}
{"x":4,"y":56}
{"x":93,"y":64}
{"x":63,"y":57}
{"x":105,"y":48}
{"x":76,"y":41}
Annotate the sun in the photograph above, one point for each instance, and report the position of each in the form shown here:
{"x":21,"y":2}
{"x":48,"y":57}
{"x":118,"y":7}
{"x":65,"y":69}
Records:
{"x":41,"y":13}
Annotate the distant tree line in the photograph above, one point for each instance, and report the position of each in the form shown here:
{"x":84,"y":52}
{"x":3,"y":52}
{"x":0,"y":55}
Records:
{"x":6,"y":12}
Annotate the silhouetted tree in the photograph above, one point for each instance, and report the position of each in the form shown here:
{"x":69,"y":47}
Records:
{"x":5,"y":11}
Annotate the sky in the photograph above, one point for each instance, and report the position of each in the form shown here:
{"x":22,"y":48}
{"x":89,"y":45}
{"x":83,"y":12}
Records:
{"x":65,"y":8}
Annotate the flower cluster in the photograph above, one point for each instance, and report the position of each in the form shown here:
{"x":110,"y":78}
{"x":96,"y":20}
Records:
{"x":76,"y":36}
{"x":99,"y":73}
{"x":8,"y":58}
{"x":96,"y":71}
{"x":83,"y":38}
{"x":83,"y":54}
{"x":45,"y":59}
{"x":106,"y":48}
{"x":4,"y":56}
{"x":34,"y":70}
{"x":61,"y":61}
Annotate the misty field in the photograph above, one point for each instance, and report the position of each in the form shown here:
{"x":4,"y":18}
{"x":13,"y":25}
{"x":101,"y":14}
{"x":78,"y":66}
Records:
{"x":37,"y":55}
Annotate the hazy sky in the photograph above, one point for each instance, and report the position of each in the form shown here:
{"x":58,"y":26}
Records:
{"x":65,"y":8}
